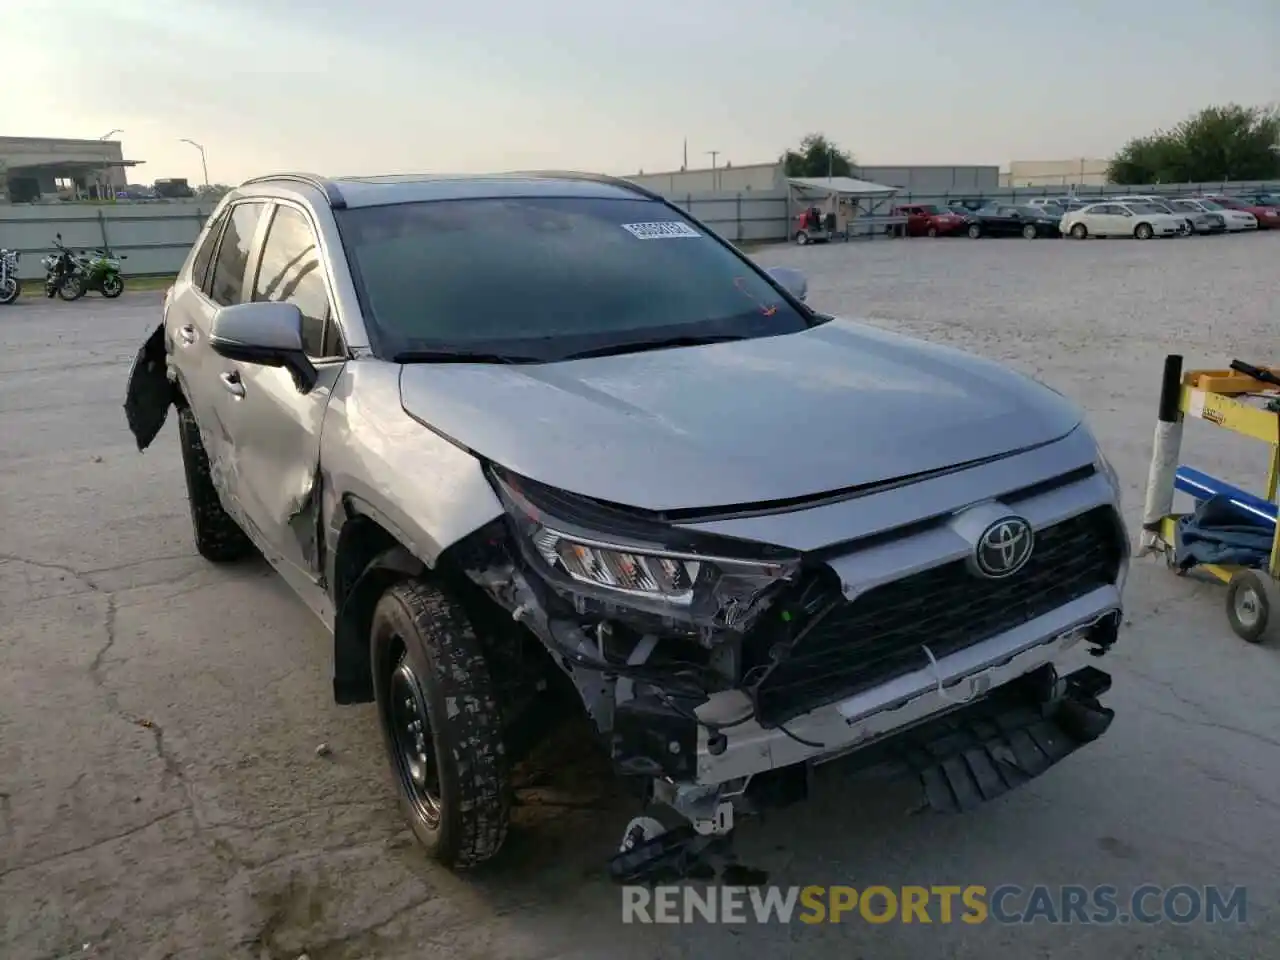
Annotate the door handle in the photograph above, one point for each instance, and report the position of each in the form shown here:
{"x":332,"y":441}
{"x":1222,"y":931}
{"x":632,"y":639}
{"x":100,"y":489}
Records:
{"x":188,"y":334}
{"x":231,"y":381}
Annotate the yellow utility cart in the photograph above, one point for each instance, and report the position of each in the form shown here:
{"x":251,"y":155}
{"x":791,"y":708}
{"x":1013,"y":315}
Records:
{"x":1246,"y":400}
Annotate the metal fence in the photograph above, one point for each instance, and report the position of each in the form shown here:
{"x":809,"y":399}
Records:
{"x":757,"y":217}
{"x":154,"y":237}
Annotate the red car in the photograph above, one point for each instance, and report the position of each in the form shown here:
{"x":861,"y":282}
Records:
{"x":927,"y":220}
{"x":1268,"y":216}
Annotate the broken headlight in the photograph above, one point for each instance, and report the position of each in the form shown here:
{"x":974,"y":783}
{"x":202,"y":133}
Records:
{"x":623,"y":559}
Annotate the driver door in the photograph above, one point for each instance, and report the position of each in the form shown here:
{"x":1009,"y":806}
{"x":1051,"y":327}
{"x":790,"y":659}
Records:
{"x":273,"y":427}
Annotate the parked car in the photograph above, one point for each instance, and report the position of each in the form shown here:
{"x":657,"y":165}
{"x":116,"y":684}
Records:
{"x":930,"y":220}
{"x":1162,"y":204}
{"x":1235,"y":220}
{"x":519,"y":437}
{"x":1009,"y":220}
{"x":1202,"y":221}
{"x":969,"y":205}
{"x":1267,"y":217}
{"x":1114,"y":219}
{"x":1055,"y":205}
{"x":1265,"y":199}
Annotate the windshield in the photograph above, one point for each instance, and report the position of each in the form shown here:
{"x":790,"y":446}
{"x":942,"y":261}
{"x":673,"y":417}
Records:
{"x":1210,"y":205}
{"x":543,"y":278}
{"x":930,"y":209}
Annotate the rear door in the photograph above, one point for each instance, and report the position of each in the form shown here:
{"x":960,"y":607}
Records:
{"x":217,"y":279}
{"x":273,"y":428}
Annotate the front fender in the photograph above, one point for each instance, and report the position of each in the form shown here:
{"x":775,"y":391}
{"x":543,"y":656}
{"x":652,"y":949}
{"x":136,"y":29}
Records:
{"x":424,"y":489}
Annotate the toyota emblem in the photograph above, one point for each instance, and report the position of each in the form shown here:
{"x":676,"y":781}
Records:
{"x":1004,"y":548}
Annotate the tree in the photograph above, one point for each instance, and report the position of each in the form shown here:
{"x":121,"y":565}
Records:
{"x":818,"y":157}
{"x":1218,"y":143}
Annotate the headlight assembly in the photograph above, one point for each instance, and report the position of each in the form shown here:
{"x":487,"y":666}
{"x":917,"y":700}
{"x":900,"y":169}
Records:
{"x":625,"y":561}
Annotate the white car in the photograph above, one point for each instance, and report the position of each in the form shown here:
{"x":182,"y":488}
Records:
{"x":1236,"y":220}
{"x":1114,"y":219}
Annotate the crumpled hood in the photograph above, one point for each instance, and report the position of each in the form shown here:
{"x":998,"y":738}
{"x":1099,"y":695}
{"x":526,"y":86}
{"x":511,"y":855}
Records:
{"x":835,"y":406}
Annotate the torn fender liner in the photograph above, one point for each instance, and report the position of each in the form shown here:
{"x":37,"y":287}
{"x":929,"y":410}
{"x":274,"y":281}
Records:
{"x":149,"y":394}
{"x":983,"y":751}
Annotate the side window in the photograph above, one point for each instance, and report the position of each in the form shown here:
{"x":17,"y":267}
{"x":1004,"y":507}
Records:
{"x":227,"y":285}
{"x":291,"y":270}
{"x":204,"y":254}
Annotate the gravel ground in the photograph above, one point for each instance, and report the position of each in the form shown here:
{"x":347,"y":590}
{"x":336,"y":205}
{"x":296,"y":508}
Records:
{"x":161,"y":794}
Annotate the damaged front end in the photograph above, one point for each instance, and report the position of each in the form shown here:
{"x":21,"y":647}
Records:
{"x":678,"y":643}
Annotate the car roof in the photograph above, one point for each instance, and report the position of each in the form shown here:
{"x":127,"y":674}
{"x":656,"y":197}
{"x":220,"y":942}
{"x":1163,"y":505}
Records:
{"x":383,"y":189}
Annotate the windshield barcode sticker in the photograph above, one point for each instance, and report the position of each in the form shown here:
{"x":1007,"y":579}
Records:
{"x":660,"y":230}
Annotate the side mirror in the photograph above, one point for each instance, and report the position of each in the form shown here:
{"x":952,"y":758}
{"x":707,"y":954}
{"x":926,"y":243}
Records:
{"x":267,"y":333}
{"x":792,"y":280}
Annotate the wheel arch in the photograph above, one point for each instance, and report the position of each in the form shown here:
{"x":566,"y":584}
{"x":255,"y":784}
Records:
{"x":370,"y":556}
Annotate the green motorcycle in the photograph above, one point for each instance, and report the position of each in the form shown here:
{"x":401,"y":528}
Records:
{"x":101,"y":272}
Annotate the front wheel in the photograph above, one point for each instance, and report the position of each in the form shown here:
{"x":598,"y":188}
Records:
{"x":112,"y":286}
{"x":1080,"y":231}
{"x":974,"y":231}
{"x":801,"y":237}
{"x":71,"y":288}
{"x":1029,"y":232}
{"x":1143,"y":231}
{"x":440,"y":723}
{"x":10,"y":288}
{"x":932,"y":232}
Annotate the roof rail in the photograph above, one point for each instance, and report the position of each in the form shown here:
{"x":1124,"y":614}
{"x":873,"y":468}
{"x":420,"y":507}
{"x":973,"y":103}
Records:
{"x":600,"y":178}
{"x":324,"y":185}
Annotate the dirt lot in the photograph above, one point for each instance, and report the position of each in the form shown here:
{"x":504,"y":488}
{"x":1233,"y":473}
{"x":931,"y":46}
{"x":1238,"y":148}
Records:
{"x":161,"y":794}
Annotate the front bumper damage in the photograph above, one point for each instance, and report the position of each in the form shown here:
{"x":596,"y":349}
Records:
{"x":997,"y":715}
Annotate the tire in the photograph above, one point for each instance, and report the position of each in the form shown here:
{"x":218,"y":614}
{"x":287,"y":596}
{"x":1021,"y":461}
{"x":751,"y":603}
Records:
{"x":801,"y":237}
{"x":974,"y":231}
{"x":218,"y":537}
{"x":1029,"y":232}
{"x":1143,"y":231}
{"x":71,"y":288}
{"x":10,"y":289}
{"x":1248,"y":606}
{"x":112,"y":286}
{"x":931,"y":232}
{"x":440,"y":724}
{"x":1079,"y":231}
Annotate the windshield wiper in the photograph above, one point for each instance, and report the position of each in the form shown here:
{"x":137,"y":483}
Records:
{"x":637,"y":346}
{"x":460,"y":356}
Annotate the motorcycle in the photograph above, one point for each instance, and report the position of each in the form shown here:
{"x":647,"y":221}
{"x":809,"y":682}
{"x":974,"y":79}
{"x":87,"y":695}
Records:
{"x":70,"y":276}
{"x":10,"y":285}
{"x":102,"y":272}
{"x":62,"y":276}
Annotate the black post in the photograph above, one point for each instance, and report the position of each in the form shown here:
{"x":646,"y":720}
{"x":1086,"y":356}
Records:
{"x":1170,"y":389}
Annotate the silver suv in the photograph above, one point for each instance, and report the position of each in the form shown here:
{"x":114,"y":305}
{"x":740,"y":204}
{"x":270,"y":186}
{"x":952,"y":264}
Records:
{"x":543,"y":438}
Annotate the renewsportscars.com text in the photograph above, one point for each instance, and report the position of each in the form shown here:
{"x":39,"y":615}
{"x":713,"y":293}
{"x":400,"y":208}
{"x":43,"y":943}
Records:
{"x":973,"y":904}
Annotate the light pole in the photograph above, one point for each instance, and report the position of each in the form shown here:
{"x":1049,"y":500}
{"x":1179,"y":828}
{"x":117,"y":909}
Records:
{"x":714,"y":180}
{"x":204,"y":166}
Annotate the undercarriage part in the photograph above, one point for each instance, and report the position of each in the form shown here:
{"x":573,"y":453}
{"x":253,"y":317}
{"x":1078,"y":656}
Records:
{"x":986,"y":749}
{"x":651,"y":853}
{"x":655,"y":738}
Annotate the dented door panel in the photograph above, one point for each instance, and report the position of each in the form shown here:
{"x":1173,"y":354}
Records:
{"x":274,"y":463}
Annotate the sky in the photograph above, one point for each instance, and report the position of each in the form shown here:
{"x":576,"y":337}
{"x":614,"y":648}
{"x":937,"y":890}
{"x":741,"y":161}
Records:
{"x":400,"y":86}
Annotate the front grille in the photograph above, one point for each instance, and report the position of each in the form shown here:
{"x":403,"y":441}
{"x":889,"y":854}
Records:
{"x":880,"y":635}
